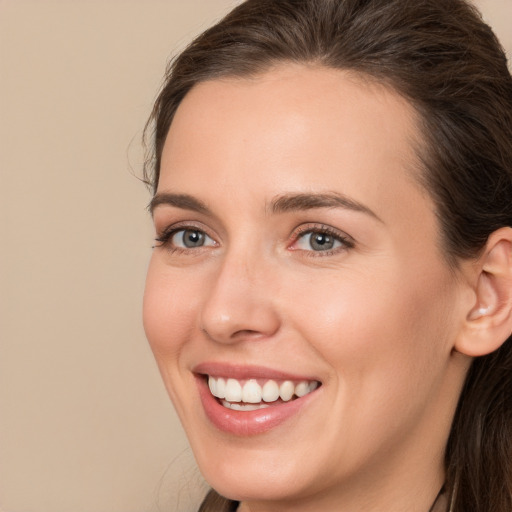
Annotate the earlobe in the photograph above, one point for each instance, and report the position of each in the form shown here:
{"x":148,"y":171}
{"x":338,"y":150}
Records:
{"x":489,"y":321}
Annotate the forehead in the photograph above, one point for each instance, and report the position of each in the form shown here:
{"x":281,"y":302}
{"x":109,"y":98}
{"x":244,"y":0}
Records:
{"x":301,"y":127}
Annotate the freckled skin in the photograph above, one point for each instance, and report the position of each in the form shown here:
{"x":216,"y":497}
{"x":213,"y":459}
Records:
{"x":374,"y":322}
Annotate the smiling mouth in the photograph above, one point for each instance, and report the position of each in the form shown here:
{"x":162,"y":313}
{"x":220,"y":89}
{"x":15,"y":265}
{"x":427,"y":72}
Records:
{"x":254,"y":394}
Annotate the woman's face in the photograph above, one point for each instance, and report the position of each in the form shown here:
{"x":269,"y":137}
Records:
{"x":297,"y":255}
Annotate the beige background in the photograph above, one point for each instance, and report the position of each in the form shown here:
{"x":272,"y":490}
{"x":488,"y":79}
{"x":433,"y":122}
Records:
{"x":85,"y":424}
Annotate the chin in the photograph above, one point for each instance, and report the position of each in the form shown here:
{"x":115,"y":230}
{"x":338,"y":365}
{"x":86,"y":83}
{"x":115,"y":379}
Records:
{"x":255,"y":471}
{"x":253,"y":481}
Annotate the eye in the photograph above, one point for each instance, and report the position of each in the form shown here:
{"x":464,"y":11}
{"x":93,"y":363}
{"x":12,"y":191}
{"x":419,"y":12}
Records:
{"x":321,"y":239}
{"x":190,"y":239}
{"x":185,"y":239}
{"x":317,"y":242}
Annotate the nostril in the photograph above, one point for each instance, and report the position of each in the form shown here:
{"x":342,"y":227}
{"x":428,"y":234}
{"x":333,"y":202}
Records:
{"x":247,"y":333}
{"x":236,"y":336}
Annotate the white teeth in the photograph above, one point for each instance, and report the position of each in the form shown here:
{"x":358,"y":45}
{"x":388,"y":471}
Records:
{"x":221,"y":388}
{"x":286,"y":390}
{"x":233,"y":391}
{"x":242,"y":396}
{"x":251,"y":392}
{"x":270,"y":391}
{"x":302,"y":389}
{"x":212,"y":384}
{"x":243,"y":407}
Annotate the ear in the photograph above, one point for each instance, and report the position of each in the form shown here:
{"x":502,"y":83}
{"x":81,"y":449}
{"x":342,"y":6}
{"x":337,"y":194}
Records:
{"x":489,"y":321}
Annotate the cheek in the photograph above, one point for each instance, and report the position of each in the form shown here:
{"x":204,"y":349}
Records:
{"x":168,"y":310}
{"x":381,"y":336}
{"x":380,"y":331}
{"x":169,"y":316}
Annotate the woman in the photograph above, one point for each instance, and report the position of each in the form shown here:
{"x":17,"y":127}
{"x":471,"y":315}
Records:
{"x":329,"y":299}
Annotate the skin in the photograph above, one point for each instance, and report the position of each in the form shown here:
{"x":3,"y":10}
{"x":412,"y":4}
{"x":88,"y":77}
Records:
{"x":375,"y":319}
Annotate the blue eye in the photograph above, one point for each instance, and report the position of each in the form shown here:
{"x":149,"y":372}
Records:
{"x":184,"y":239}
{"x":314,"y":241}
{"x":322,"y":239}
{"x":190,"y":239}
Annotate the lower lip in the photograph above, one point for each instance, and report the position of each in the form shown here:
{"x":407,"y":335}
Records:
{"x":247,"y":423}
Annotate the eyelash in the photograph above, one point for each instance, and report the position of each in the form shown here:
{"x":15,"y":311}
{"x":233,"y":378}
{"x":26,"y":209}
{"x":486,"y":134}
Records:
{"x":347,"y":242}
{"x":166,"y":235}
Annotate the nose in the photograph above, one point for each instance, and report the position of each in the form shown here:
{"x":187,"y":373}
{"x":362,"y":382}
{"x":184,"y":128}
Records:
{"x":239,"y":302}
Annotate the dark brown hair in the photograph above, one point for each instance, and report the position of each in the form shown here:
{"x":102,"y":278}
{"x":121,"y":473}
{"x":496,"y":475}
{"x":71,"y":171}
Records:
{"x":449,"y":65}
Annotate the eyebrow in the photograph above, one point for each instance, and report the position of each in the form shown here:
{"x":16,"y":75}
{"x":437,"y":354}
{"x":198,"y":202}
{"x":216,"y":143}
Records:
{"x":183,"y":201}
{"x":281,"y":204}
{"x":296,"y":202}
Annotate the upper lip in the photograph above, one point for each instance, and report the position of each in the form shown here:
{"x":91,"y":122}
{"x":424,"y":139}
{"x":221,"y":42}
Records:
{"x":243,"y":372}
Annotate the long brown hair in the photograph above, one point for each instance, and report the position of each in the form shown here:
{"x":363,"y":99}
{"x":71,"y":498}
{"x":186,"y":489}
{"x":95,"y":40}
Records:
{"x":447,"y":62}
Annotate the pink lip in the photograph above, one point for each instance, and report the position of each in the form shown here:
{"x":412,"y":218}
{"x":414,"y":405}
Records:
{"x":246,"y":372}
{"x":246,"y":423}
